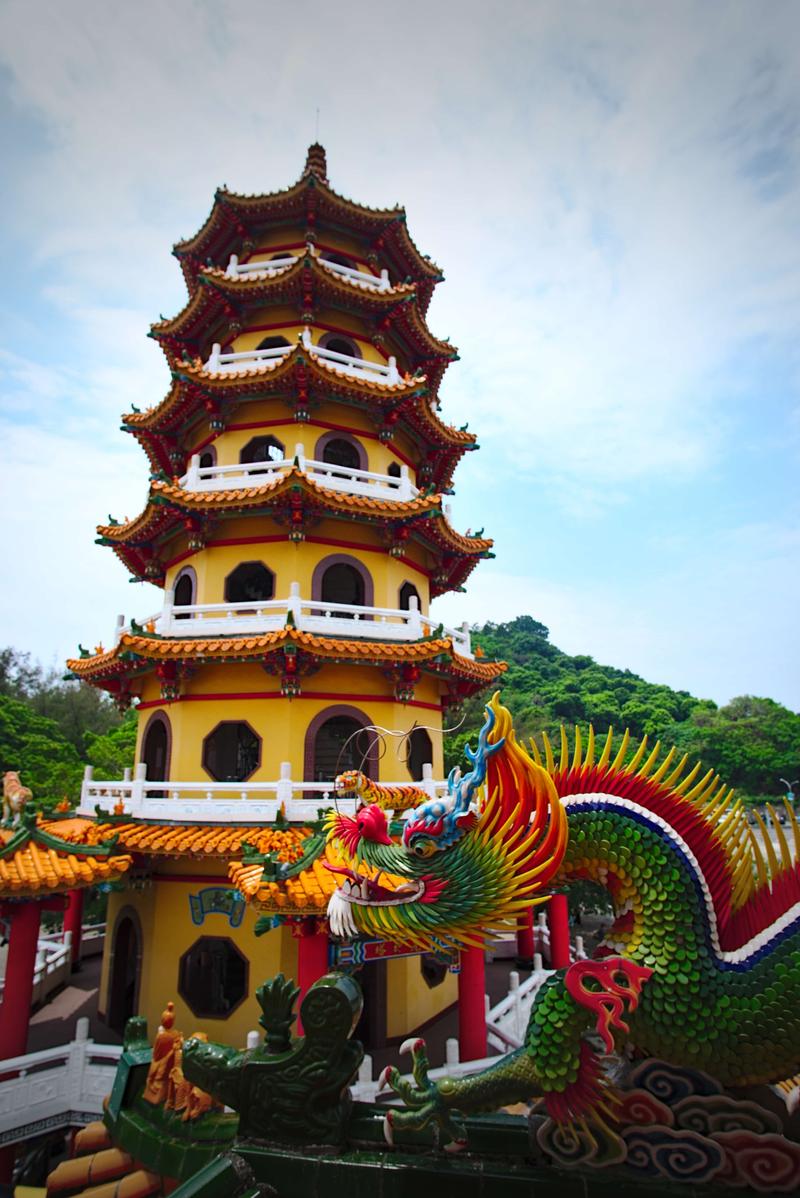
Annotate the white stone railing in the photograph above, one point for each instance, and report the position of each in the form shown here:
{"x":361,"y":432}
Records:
{"x":225,"y":802}
{"x":53,"y":964}
{"x":59,"y":1087}
{"x":376,"y":372}
{"x":325,"y":474}
{"x":309,"y":615}
{"x":265,"y":268}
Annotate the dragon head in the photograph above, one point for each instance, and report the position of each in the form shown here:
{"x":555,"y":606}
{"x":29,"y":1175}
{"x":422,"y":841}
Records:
{"x":348,"y":782}
{"x":478,"y":855}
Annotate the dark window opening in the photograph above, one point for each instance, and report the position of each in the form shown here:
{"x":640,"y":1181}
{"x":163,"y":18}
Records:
{"x":339,"y":260}
{"x":250,"y":582}
{"x":276,"y":342}
{"x":420,"y":752}
{"x":263,"y":449}
{"x":433,"y":970}
{"x":155,"y":750}
{"x":342,"y":584}
{"x":125,"y":961}
{"x":407,"y":591}
{"x":232,"y":752}
{"x":184,"y":594}
{"x":394,"y":470}
{"x":207,"y":459}
{"x":340,"y":345}
{"x":212,"y":977}
{"x":339,"y":452}
{"x":341,"y":744}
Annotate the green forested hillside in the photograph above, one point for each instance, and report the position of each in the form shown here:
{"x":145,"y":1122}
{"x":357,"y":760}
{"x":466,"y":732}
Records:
{"x":50,"y":728}
{"x":750,"y":742}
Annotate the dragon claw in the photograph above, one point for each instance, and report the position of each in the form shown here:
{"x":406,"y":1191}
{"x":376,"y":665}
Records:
{"x":384,"y":1079}
{"x":388,"y":1132}
{"x":413,"y":1044}
{"x":455,"y":1146}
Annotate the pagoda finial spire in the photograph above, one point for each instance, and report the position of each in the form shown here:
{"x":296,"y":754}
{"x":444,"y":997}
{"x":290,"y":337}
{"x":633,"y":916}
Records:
{"x":316,"y":163}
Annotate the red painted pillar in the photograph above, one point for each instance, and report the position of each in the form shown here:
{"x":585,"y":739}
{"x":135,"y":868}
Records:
{"x":312,"y":963}
{"x":558,"y":923}
{"x":525,"y":949}
{"x":471,"y":1005}
{"x":73,"y":922}
{"x":15,"y":1011}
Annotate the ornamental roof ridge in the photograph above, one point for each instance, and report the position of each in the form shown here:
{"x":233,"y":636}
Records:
{"x":35,"y":861}
{"x":429,"y":651}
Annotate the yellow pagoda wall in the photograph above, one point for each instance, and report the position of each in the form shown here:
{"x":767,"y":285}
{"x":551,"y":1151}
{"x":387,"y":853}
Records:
{"x":411,"y":1001}
{"x":282,"y":723}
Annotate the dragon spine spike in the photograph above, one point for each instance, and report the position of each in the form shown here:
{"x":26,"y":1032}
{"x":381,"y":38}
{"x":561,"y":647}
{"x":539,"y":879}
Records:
{"x":709,"y":780}
{"x":644,"y":772}
{"x":786,"y":856}
{"x":605,"y":756}
{"x":665,"y":764}
{"x":549,"y":759}
{"x":794,"y":826}
{"x":564,"y":750}
{"x":535,"y":751}
{"x":577,"y":756}
{"x":758,"y":860}
{"x":589,"y":758}
{"x":637,"y":757}
{"x":681,"y":785}
{"x":621,"y":752}
{"x":772,"y":860}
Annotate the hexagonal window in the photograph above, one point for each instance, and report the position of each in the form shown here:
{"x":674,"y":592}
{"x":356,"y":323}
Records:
{"x":263,"y":449}
{"x":250,"y":582}
{"x":212,"y":977}
{"x":232,"y":752}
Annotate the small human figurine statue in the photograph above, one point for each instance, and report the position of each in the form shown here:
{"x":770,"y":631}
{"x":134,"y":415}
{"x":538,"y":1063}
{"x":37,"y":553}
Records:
{"x":166,"y":1052}
{"x":181,"y":1094}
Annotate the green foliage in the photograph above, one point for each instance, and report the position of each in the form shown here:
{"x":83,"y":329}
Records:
{"x":49,"y":728}
{"x":751,"y":742}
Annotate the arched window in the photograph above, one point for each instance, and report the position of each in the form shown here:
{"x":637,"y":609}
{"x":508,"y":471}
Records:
{"x":339,"y":578}
{"x":339,"y":739}
{"x":394,"y":470}
{"x":407,"y":592}
{"x":250,"y":582}
{"x":338,"y":259}
{"x":263,"y":449}
{"x":420,"y":752}
{"x":208,"y":457}
{"x":124,"y":969}
{"x":156,"y":745}
{"x":339,"y":452}
{"x":275,"y":341}
{"x":185,"y":585}
{"x":339,"y":344}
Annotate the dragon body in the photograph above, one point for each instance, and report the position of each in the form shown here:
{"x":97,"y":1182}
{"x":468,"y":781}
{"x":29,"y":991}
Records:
{"x":701,"y":966}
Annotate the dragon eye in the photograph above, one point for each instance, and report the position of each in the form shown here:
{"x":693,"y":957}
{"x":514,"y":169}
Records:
{"x":424,"y":848}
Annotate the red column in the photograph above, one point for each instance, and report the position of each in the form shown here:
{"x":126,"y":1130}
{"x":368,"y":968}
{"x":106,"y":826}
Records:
{"x":558,"y":923}
{"x":471,"y":1005}
{"x":525,"y":949}
{"x":15,"y":1011}
{"x":73,"y":922}
{"x":312,"y":963}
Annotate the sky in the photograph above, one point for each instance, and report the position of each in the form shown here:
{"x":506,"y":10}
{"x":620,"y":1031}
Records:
{"x":613,"y":193}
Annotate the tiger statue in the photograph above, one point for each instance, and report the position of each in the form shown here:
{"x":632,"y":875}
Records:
{"x":391,"y":798}
{"x":15,"y":796}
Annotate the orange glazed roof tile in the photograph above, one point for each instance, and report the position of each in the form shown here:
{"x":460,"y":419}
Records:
{"x":192,"y":840}
{"x":154,"y":648}
{"x":36,"y":860}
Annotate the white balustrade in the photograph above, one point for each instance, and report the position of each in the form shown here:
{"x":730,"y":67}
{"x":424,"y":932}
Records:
{"x":268,"y":359}
{"x":265,"y":268}
{"x":225,"y":802}
{"x":325,"y":474}
{"x":59,"y":1087}
{"x":309,"y":615}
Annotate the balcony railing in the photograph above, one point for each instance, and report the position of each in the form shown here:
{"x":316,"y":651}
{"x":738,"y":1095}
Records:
{"x":309,"y":615}
{"x":225,"y":802}
{"x":272,"y":266}
{"x":334,"y":478}
{"x":348,"y":364}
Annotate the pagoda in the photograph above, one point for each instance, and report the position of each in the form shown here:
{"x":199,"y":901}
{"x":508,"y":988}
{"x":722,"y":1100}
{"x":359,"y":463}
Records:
{"x":297,"y":523}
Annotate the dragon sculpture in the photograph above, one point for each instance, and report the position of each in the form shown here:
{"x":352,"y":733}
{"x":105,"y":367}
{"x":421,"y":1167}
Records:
{"x":700,"y":967}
